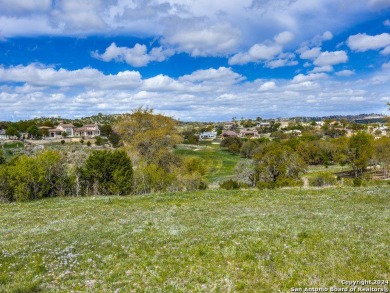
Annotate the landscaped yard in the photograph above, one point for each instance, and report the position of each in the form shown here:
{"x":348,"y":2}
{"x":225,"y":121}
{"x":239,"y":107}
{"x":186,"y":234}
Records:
{"x":211,"y":241}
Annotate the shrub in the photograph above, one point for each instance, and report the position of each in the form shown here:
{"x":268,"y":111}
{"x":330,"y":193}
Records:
{"x":357,"y":182}
{"x":108,"y":172}
{"x":62,"y":141}
{"x":323,"y":179}
{"x":230,"y":184}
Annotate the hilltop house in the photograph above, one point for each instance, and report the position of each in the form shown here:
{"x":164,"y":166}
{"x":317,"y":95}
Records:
{"x":88,"y":131}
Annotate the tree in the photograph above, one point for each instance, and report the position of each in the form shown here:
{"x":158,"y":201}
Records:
{"x":33,"y":131}
{"x":2,"y":158}
{"x":149,"y":137}
{"x":382,"y":154}
{"x":245,"y":172}
{"x":361,"y":150}
{"x":108,"y":172}
{"x":12,"y":131}
{"x":276,"y":163}
{"x":36,"y":177}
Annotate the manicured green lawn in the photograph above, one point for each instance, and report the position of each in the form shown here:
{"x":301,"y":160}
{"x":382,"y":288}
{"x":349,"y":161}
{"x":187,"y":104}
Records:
{"x":220,"y":162}
{"x":211,"y":241}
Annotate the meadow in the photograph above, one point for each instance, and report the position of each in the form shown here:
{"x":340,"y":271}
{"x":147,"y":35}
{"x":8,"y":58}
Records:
{"x":209,"y":241}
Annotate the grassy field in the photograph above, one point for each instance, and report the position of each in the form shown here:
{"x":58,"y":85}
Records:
{"x":211,"y":241}
{"x":220,"y":162}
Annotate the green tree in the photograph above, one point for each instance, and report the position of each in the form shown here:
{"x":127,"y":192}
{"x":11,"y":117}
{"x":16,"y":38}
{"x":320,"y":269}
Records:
{"x":2,"y":157}
{"x":33,"y":131}
{"x":382,"y":154}
{"x":108,"y":172}
{"x":275,"y":163}
{"x":36,"y":177}
{"x":361,"y":150}
{"x":12,"y":131}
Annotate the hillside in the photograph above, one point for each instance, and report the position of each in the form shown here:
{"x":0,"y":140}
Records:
{"x":222,"y":241}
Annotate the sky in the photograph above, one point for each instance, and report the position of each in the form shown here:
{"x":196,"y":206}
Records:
{"x":194,"y":60}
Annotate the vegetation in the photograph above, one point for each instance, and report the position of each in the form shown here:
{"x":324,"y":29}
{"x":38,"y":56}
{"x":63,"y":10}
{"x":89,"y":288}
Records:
{"x":223,"y":241}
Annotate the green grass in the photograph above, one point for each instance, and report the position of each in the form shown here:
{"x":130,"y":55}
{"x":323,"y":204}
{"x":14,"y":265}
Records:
{"x":220,"y":162}
{"x":12,"y":145}
{"x":212,"y":241}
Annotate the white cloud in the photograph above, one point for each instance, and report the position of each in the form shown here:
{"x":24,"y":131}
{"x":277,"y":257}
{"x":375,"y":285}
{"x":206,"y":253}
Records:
{"x":38,"y":75}
{"x":357,"y":99}
{"x":18,"y":8}
{"x":222,"y":75}
{"x":280,"y":63}
{"x":209,"y":94}
{"x":386,"y":65}
{"x":269,"y":85}
{"x":363,"y":42}
{"x":379,"y":4}
{"x":201,"y":40}
{"x":136,"y":56}
{"x":310,"y":77}
{"x":257,"y":53}
{"x":331,"y":58}
{"x":325,"y":68}
{"x":310,"y":53}
{"x":284,"y":37}
{"x":345,"y":72}
{"x":386,"y":51}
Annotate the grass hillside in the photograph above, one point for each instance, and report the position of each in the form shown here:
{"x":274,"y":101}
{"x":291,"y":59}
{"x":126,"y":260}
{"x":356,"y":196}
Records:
{"x":212,"y":241}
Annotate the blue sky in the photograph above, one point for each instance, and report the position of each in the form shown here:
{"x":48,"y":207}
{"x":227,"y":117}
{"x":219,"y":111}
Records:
{"x":194,"y":60}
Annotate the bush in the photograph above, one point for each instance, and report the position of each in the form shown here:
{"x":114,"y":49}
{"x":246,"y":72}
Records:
{"x":108,"y":172}
{"x":323,"y":179}
{"x":357,"y":182}
{"x":230,"y":184}
{"x":62,"y":141}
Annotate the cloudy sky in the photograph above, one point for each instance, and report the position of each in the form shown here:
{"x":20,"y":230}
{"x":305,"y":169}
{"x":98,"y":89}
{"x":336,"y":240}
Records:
{"x":194,"y":60}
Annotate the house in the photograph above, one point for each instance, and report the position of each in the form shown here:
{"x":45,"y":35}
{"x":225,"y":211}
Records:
{"x":228,"y":133}
{"x":68,"y":128}
{"x":88,"y":131}
{"x":294,"y":132}
{"x":4,"y":136}
{"x":208,"y":136}
{"x":263,"y":124}
{"x":248,"y":133}
{"x":229,"y":125}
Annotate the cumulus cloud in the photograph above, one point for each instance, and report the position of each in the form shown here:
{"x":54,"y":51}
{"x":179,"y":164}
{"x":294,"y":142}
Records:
{"x":331,"y":58}
{"x":136,"y":56}
{"x":386,"y":51}
{"x":209,"y":94}
{"x":280,"y":63}
{"x":38,"y":75}
{"x":202,"y":40}
{"x":310,"y":53}
{"x":284,"y":37}
{"x":267,"y":86}
{"x":257,"y":53}
{"x":219,"y":76}
{"x":363,"y":42}
{"x":386,"y":65}
{"x":345,"y":72}
{"x":310,"y":77}
{"x":18,"y":8}
{"x":325,"y":68}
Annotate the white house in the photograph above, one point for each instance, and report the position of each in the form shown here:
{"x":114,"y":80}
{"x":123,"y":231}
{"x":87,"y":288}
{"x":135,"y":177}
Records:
{"x":208,"y":136}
